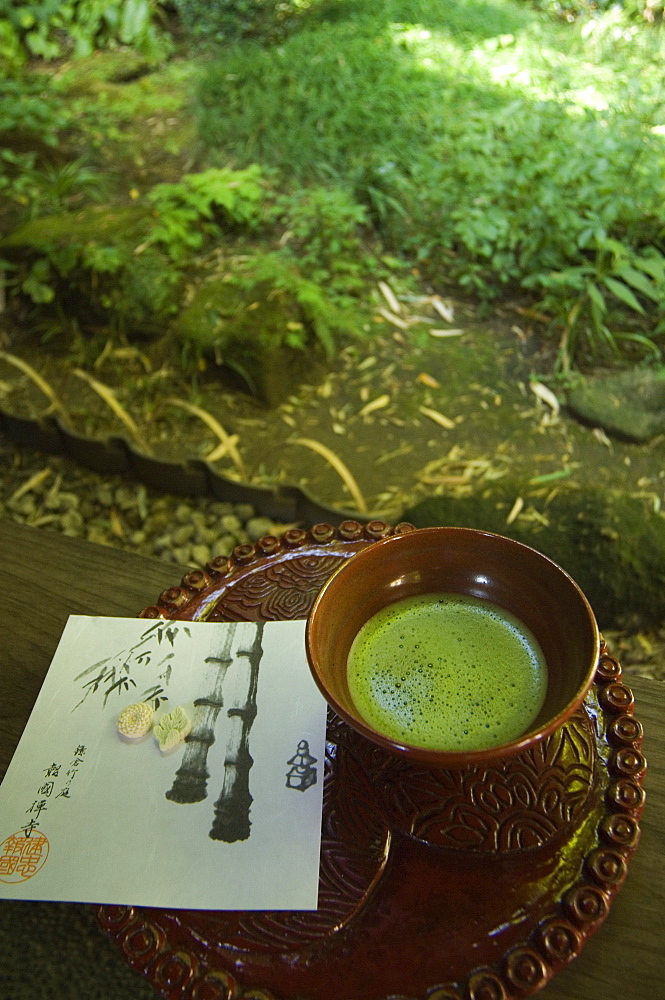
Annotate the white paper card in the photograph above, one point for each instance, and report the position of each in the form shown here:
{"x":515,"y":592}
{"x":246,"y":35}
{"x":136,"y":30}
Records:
{"x":229,"y":819}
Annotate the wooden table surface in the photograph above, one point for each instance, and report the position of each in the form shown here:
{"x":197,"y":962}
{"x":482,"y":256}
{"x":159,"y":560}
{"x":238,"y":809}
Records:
{"x":46,"y":577}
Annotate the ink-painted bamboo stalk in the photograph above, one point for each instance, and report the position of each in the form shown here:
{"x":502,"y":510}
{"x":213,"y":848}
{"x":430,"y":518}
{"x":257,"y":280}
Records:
{"x":191,"y":779}
{"x":232,"y":822}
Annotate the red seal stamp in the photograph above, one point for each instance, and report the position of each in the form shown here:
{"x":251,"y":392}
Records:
{"x":22,"y":855}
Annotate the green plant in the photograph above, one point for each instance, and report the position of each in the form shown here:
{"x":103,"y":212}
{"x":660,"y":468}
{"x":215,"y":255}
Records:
{"x":323,"y":235}
{"x":647,"y":10}
{"x":79,"y":270}
{"x":31,"y":108}
{"x":220,"y":20}
{"x":319,"y":312}
{"x":33,"y":176}
{"x":52,"y":29}
{"x":128,"y":274}
{"x":583,"y":297}
{"x":488,"y":164}
{"x":200,"y":204}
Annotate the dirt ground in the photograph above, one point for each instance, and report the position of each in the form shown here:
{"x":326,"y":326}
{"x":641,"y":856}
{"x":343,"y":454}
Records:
{"x":422,"y":408}
{"x":435,"y":401}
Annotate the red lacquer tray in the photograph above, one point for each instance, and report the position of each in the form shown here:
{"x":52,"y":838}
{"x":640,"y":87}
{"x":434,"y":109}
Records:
{"x":471,"y":885}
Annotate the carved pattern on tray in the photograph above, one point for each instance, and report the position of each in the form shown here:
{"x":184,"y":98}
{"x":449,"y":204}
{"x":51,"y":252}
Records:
{"x":591,"y":771}
{"x":515,"y":807}
{"x":274,"y":593}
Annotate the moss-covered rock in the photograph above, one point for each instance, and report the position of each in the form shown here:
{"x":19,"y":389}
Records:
{"x":629,"y":404}
{"x":96,"y":223}
{"x":255,"y":330}
{"x":611,"y":544}
{"x":84,"y":74}
{"x":88,"y":261}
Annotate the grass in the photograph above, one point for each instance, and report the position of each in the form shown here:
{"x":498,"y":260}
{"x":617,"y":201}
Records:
{"x":489,"y":143}
{"x":479,"y":145}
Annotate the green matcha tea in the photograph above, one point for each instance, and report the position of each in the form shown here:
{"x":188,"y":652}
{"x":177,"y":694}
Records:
{"x":447,"y":672}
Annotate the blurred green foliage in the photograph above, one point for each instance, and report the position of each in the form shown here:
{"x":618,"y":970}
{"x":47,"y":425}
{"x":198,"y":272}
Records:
{"x":52,"y":29}
{"x":499,"y":152}
{"x":188,"y":211}
{"x":224,"y":20}
{"x":649,"y":10}
{"x":493,"y":146}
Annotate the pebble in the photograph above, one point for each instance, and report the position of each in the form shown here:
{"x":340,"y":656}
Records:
{"x":244,"y":511}
{"x":230,"y":523}
{"x":200,"y":555}
{"x":71,"y":522}
{"x":111,"y":510}
{"x":224,"y":546}
{"x":207,"y":536}
{"x":257,"y":527}
{"x":183,"y":534}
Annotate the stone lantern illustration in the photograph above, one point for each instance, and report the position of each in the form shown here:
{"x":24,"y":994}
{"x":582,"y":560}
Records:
{"x":301,"y":775}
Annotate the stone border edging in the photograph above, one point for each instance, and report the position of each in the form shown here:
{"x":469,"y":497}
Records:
{"x":194,"y":477}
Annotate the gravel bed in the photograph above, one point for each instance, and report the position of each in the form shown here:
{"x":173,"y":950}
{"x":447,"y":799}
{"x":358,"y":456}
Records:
{"x":55,"y":494}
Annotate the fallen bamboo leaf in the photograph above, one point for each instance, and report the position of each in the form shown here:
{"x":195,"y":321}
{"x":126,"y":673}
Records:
{"x":117,"y":527}
{"x":222,"y":449}
{"x":515,"y":510}
{"x":107,"y":394}
{"x":390,"y":297}
{"x":444,"y":309}
{"x":339,"y":467}
{"x":535,"y":515}
{"x":445,"y":333}
{"x":387,"y":456}
{"x":41,"y":383}
{"x":437,"y":417}
{"x":375,"y":404}
{"x":429,"y":380}
{"x":546,"y":396}
{"x":30,"y":484}
{"x":215,"y":427}
{"x":551,"y":477}
{"x":533,"y":314}
{"x":444,"y":480}
{"x":415,"y":318}
{"x":602,"y":438}
{"x":132,"y":354}
{"x":391,"y":318}
{"x":645,"y":643}
{"x":103,"y":355}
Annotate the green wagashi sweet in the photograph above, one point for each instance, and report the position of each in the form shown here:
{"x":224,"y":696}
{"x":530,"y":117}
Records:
{"x":172,"y":729}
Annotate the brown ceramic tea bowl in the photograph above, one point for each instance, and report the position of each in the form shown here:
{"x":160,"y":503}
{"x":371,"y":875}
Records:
{"x":470,"y":563}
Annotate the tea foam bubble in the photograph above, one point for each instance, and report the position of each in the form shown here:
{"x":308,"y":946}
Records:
{"x":447,"y":672}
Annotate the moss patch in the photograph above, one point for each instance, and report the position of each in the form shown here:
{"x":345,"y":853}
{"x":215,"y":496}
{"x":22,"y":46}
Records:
{"x":630,"y":404}
{"x":251,"y":330}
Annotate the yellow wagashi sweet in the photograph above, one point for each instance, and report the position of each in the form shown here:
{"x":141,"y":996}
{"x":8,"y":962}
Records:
{"x":135,"y":721}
